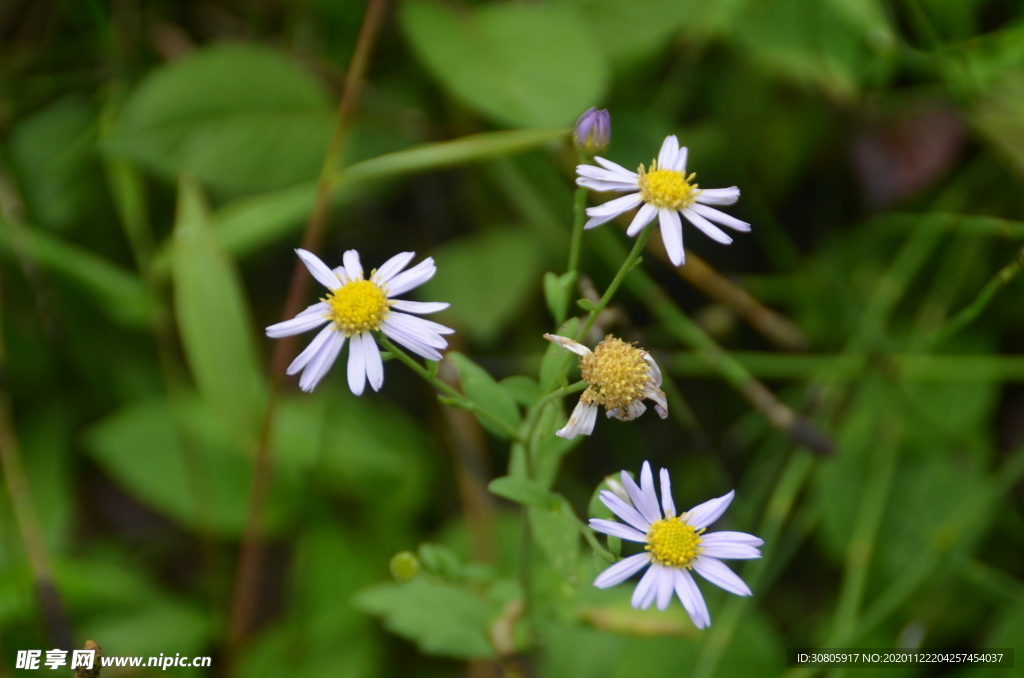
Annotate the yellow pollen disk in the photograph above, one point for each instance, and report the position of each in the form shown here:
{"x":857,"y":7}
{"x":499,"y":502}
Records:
{"x":666,"y":189}
{"x":617,"y":373}
{"x":358,"y":306}
{"x":673,"y":543}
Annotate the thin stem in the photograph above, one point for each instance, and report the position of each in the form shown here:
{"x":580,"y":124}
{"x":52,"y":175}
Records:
{"x":578,"y":213}
{"x":626,"y":267}
{"x":456,"y":399}
{"x":250,"y":560}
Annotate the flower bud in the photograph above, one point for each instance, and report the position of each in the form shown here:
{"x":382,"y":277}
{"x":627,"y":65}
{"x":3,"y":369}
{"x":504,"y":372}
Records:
{"x":404,"y":566}
{"x":593,"y":131}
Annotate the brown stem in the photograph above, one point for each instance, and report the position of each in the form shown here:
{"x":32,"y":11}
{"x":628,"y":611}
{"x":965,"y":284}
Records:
{"x":247,"y":579}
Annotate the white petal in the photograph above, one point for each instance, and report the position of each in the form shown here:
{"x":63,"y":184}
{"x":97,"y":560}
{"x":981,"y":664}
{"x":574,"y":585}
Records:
{"x":691,"y":599}
{"x":643,"y":217}
{"x":342,"y":274}
{"x":609,"y":165}
{"x":323,"y":275}
{"x":704,"y":514}
{"x":719,"y":574}
{"x":603,"y":186}
{"x":712,"y":231}
{"x":731,"y":545}
{"x":409,"y":337}
{"x":667,"y":505}
{"x":655,"y":370}
{"x":647,"y":487}
{"x":321,"y":363}
{"x":615,"y":207}
{"x":619,"y":176}
{"x":669,"y":151}
{"x":643,"y":594}
{"x":356,"y":365}
{"x":672,"y":236}
{"x":414,"y":277}
{"x":319,"y":308}
{"x":374,"y":364}
{"x":420,"y":306}
{"x":618,"y":530}
{"x":303,"y":322}
{"x":719,"y":196}
{"x":428,"y":329}
{"x":624,"y":510}
{"x":681,"y":160}
{"x":393,"y":266}
{"x":666,"y":580}
{"x":660,"y":402}
{"x":581,"y":421}
{"x":647,"y":508}
{"x":353,"y":267}
{"x":311,"y":350}
{"x":720,"y":217}
{"x":570,"y":344}
{"x":726,"y":536}
{"x":622,"y":570}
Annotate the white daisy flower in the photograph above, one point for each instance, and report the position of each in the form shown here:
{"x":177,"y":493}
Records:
{"x":674,"y":546}
{"x":665,"y":191}
{"x":353,"y":309}
{"x":619,"y":376}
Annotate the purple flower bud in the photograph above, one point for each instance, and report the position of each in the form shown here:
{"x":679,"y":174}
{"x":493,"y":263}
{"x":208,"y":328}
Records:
{"x":593,"y":131}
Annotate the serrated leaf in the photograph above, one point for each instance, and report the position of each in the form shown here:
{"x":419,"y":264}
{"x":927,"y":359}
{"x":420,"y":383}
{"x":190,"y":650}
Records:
{"x":486,"y":394}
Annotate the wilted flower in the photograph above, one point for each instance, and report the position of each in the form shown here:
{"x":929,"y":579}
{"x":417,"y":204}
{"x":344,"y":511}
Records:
{"x":619,"y":376}
{"x":674,"y":545}
{"x":353,"y":309}
{"x":664,"y":191}
{"x":593,"y":130}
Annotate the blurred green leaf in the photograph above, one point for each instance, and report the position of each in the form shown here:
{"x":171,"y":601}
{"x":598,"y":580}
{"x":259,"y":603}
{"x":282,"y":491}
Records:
{"x":558,"y":537}
{"x":214,"y":322}
{"x":239,"y":117}
{"x":486,"y":394}
{"x":523,"y":65}
{"x":441,"y":619}
{"x":487,"y":278}
{"x":522,"y":388}
{"x":522,"y":491}
{"x":557,"y":289}
{"x":165,"y":626}
{"x":630,"y":31}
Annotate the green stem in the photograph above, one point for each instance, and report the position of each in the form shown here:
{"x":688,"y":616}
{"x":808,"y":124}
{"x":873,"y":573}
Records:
{"x":456,"y":399}
{"x":609,"y":293}
{"x":579,"y":213}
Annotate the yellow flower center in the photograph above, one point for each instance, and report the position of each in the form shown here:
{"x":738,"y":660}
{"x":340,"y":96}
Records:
{"x":617,"y":373}
{"x":666,"y":189}
{"x":673,"y":543}
{"x":358,"y":306}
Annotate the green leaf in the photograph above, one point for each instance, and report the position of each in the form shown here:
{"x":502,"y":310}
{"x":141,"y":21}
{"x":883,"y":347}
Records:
{"x":529,"y":65}
{"x":557,"y":535}
{"x":441,"y":619}
{"x":522,"y":388}
{"x":239,"y":117}
{"x":213,"y":320}
{"x":557,"y":289}
{"x":503,"y":266}
{"x":522,"y":491}
{"x":486,"y":394}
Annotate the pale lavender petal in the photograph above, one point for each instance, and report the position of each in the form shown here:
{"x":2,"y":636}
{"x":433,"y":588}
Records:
{"x":321,"y":363}
{"x":643,"y":594}
{"x":581,"y":421}
{"x":303,"y":322}
{"x":604,"y":186}
{"x":712,"y":231}
{"x":615,"y":207}
{"x":353,"y":266}
{"x":624,"y":510}
{"x":617,"y":530}
{"x":704,"y":514}
{"x":323,"y":275}
{"x":619,"y":176}
{"x":644,"y":216}
{"x":691,"y":599}
{"x":660,"y":401}
{"x":314,"y":347}
{"x":622,"y":570}
{"x":409,"y":337}
{"x":319,"y":308}
{"x":393,"y":266}
{"x":672,"y":236}
{"x":681,"y":160}
{"x":729,"y":550}
{"x":720,"y":217}
{"x":609,"y":165}
{"x":732,"y":538}
{"x":719,"y":574}
{"x":569,"y":344}
{"x":666,"y":580}
{"x":374,"y":364}
{"x":647,"y":487}
{"x":414,"y":277}
{"x":719,"y":196}
{"x":356,"y":365}
{"x":420,"y":306}
{"x":669,"y":151}
{"x":667,"y":505}
{"x":647,"y":508}
{"x":655,"y":370}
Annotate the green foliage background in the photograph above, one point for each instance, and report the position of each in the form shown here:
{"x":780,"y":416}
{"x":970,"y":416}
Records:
{"x":158,"y":161}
